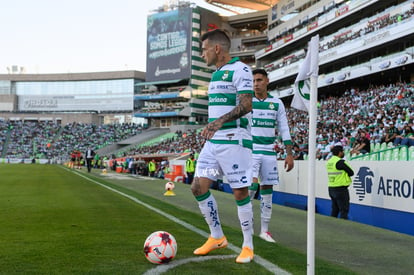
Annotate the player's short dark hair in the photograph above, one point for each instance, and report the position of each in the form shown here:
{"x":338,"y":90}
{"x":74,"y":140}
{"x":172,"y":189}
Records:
{"x":218,"y":36}
{"x":260,"y":71}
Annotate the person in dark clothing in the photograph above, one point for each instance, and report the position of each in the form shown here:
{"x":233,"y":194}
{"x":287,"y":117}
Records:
{"x":363,"y":144}
{"x":339,"y":178}
{"x":190,"y":168}
{"x":89,"y":155}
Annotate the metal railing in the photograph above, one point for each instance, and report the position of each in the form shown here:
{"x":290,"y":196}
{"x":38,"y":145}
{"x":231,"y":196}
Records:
{"x":401,"y":152}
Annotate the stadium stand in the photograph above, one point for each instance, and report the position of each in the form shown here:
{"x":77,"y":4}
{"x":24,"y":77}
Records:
{"x":44,"y":139}
{"x":366,"y":26}
{"x":339,"y":118}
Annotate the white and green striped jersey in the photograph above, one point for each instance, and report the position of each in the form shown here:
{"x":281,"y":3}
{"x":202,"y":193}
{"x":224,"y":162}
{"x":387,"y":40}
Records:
{"x":227,"y":83}
{"x":268,"y":114}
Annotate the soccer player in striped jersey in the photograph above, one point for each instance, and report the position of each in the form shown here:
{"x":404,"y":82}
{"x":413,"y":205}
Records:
{"x":268,"y":114}
{"x":227,"y":151}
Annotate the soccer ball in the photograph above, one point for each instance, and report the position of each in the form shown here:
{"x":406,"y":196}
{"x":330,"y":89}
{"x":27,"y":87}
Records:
{"x":169,"y":186}
{"x":160,"y":247}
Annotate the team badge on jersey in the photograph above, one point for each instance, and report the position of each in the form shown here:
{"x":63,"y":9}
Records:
{"x":225,"y":75}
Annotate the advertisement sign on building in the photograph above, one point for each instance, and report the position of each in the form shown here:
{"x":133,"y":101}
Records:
{"x":283,"y":8}
{"x":77,"y":103}
{"x":168,"y":45}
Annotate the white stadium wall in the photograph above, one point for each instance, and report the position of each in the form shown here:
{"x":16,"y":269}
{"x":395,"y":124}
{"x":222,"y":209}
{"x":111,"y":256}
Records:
{"x":381,"y":193}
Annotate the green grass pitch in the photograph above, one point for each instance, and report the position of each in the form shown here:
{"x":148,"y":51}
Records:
{"x":54,"y":221}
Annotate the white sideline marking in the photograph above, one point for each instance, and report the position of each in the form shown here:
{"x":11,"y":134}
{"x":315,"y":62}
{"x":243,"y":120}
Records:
{"x":261,"y":261}
{"x":164,"y":268}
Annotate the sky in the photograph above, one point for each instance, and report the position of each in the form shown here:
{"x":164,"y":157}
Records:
{"x":69,"y":36}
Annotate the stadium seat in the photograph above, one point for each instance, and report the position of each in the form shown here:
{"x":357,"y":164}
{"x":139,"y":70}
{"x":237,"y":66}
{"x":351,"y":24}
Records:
{"x":411,"y":153}
{"x":383,"y":146}
{"x":395,"y":154}
{"x":373,"y":157}
{"x":347,"y":154}
{"x":381,"y":156}
{"x":376,"y":147}
{"x":403,"y":153}
{"x":387,"y":155}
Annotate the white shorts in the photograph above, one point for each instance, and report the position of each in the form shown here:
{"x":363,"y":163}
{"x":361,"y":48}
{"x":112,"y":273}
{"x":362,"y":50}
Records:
{"x":231,"y":160}
{"x":265,"y":168}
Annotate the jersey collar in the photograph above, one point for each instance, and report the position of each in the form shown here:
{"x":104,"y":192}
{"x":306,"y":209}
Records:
{"x":267,"y":96}
{"x":233,"y":60}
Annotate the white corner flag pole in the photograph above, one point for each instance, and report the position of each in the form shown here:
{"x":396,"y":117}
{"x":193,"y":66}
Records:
{"x":312,"y":176}
{"x":305,"y":99}
{"x":312,"y":159}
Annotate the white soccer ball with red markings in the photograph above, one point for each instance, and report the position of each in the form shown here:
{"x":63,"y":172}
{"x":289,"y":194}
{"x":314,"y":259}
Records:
{"x":160,"y":247}
{"x":169,"y":186}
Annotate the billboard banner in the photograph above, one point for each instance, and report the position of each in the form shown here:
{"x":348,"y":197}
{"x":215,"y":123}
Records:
{"x":169,"y":45}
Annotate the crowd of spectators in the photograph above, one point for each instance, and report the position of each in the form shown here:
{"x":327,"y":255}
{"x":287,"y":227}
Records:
{"x":27,"y":137}
{"x":369,"y":27}
{"x":188,"y":141}
{"x":357,"y":119}
{"x":48,"y":140}
{"x":366,"y":27}
{"x":162,"y":107}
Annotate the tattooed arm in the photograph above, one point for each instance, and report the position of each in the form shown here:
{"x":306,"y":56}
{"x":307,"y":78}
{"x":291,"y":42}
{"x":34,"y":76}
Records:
{"x":244,"y":107}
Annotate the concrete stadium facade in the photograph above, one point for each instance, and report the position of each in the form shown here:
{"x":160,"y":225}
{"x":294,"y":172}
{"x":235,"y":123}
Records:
{"x":98,"y":97}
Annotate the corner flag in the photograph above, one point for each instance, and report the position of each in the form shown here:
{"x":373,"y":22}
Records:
{"x":305,"y":98}
{"x":308,"y":68}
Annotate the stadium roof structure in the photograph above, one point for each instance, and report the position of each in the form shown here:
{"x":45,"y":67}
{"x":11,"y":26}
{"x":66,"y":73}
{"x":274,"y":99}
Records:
{"x":75,"y":76}
{"x":252,"y":5}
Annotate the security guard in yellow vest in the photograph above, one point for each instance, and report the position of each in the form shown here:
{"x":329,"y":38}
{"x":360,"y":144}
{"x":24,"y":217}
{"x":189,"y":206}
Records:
{"x":152,"y":167}
{"x":339,"y":173}
{"x":190,"y":168}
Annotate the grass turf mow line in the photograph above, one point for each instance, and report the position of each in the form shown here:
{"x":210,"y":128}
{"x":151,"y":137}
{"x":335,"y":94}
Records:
{"x":263,"y":262}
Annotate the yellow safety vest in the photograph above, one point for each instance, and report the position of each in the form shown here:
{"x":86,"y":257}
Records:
{"x":190,"y":165}
{"x":151,"y":166}
{"x":337,"y":178}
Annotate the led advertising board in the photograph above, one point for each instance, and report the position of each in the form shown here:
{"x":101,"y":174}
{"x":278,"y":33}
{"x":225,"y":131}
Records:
{"x":169,"y":45}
